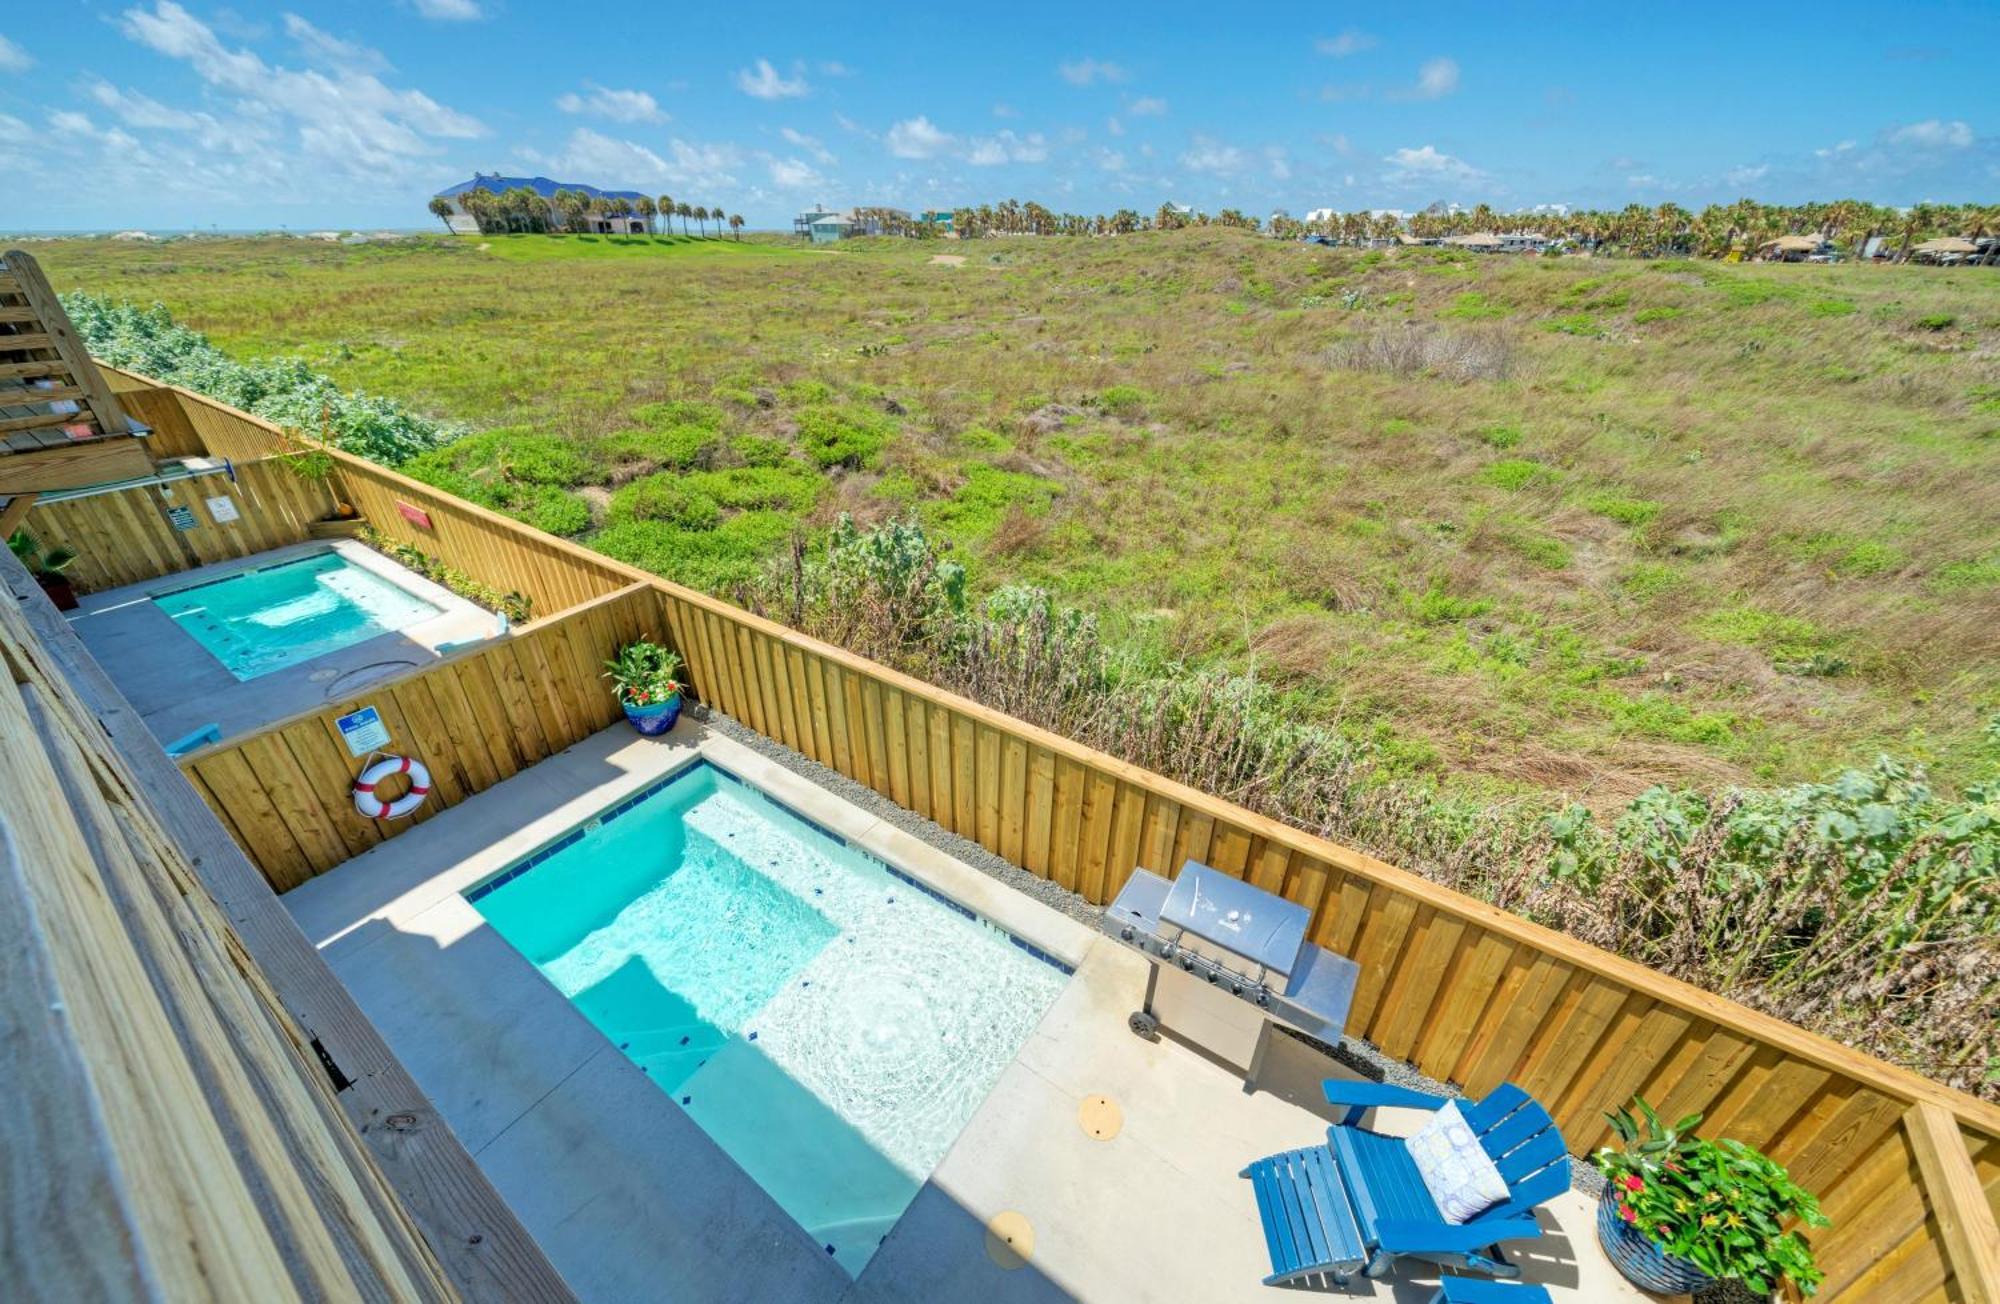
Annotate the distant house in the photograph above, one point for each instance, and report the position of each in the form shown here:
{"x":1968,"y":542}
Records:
{"x":823,"y":225}
{"x":1523,"y":242}
{"x":623,"y":222}
{"x":1482,"y":242}
{"x":1792,"y":248}
{"x":939,"y":220}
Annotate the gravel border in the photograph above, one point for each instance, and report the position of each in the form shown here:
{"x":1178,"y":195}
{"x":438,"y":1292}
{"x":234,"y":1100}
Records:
{"x":1352,"y":1052}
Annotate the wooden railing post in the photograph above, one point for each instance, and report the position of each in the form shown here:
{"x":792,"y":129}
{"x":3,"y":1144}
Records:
{"x":1958,"y":1202}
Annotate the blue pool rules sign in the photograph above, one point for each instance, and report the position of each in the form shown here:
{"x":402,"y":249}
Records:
{"x":363,"y":731}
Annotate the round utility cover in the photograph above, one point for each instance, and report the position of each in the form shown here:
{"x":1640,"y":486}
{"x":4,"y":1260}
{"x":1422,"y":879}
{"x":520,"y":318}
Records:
{"x":1100,"y":1116}
{"x":1010,"y":1240}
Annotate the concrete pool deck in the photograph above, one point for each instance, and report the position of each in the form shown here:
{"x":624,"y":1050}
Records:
{"x":178,"y":686}
{"x":632,"y":1200}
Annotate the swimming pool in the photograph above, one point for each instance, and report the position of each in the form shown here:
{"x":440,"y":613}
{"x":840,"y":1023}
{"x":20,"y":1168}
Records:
{"x":261,"y":620}
{"x":831,"y":1024}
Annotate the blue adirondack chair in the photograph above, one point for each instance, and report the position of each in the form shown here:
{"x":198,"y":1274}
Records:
{"x":1388,"y":1206}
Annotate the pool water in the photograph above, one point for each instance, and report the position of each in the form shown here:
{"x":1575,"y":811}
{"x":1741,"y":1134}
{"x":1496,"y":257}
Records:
{"x":831,"y":1025}
{"x":258,"y":621}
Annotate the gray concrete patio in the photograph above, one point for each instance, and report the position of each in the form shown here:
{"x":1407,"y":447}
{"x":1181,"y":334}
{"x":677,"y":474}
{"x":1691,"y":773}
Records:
{"x":633,"y":1201}
{"x":178,"y":686}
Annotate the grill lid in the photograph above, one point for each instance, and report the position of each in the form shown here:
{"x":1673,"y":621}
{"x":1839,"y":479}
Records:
{"x":1265,"y":929}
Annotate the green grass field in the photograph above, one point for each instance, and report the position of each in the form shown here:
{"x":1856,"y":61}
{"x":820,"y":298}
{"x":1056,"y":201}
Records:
{"x":1528,"y":525}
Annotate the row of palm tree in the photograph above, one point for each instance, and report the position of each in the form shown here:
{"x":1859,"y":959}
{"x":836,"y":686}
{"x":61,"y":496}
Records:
{"x":1666,"y":230}
{"x":520,"y":209}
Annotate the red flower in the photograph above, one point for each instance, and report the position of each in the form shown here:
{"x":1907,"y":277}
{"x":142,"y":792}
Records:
{"x":1632,"y":1183}
{"x":1625,"y":1212}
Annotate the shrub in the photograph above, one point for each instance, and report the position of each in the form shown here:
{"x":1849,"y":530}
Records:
{"x":668,"y":498}
{"x":558,"y":512}
{"x":1576,"y":323}
{"x":1625,"y":511}
{"x":676,"y":446}
{"x":791,"y":487}
{"x":1474,"y":306}
{"x":731,"y":554}
{"x":843,"y":436}
{"x":761,"y":450}
{"x":283,"y":390}
{"x":1504,"y":436}
{"x":1832,"y":308}
{"x":1646,"y":316}
{"x":1429,"y":350}
{"x":1516,"y":473}
{"x":1122,"y":400}
{"x":679,"y":412}
{"x":1937,"y":321}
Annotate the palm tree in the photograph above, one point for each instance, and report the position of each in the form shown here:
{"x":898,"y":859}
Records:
{"x":644,"y":208}
{"x":701,"y":220}
{"x":667,"y":211}
{"x":441,"y":209}
{"x":684,"y":211}
{"x":736,"y":225}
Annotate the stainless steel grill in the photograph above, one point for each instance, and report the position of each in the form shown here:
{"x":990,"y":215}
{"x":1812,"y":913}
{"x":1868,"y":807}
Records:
{"x":1228,"y":960}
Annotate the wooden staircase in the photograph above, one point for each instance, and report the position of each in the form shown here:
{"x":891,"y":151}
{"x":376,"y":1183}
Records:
{"x":60,"y":425}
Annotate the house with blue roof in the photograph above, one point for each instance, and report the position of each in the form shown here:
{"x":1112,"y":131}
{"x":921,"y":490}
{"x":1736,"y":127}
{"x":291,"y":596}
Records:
{"x":625,"y":221}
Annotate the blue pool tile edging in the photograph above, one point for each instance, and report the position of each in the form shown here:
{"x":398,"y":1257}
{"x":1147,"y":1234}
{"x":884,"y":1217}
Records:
{"x":626,"y":805}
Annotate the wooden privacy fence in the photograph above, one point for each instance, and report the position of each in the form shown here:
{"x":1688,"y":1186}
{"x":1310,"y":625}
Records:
{"x":473,"y":719}
{"x":1908,"y":1170}
{"x":129,"y":535}
{"x":492,"y":548}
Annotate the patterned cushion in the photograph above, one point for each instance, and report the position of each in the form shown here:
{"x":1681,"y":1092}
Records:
{"x":1462,"y":1180}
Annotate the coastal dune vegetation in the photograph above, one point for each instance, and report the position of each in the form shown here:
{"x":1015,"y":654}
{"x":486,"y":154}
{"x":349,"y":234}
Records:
{"x":1654,"y":599}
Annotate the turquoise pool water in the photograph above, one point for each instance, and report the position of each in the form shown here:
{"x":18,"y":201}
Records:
{"x":830,"y":1024}
{"x":261,"y":620}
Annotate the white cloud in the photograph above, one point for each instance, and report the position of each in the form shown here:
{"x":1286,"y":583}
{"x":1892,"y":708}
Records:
{"x":346,"y":120}
{"x":1436,"y":79}
{"x":1208,"y":155}
{"x":617,"y":105}
{"x":1084,"y":72}
{"x":835,"y":68}
{"x":1348,"y":42}
{"x":810,"y":144}
{"x":918,"y":137}
{"x":1147,"y":106}
{"x":1110,"y":160}
{"x":136,"y":110}
{"x":1743,"y":176}
{"x":1004,"y":110}
{"x":792,"y":174}
{"x":1006,"y":147}
{"x":617,"y":164}
{"x":449,"y":11}
{"x":1834,"y":151}
{"x":1279,"y":163}
{"x":325,"y":50}
{"x":1933,"y":134}
{"x":764,"y":82}
{"x":13,"y":58}
{"x":1427,"y":164}
{"x":1114,"y":126}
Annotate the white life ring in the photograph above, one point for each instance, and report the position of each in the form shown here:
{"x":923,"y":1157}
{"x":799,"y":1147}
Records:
{"x":373,"y":807}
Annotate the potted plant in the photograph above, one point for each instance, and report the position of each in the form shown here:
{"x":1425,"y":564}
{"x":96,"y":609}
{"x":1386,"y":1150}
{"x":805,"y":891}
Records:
{"x":1680,"y":1212}
{"x":47,"y":566}
{"x":643,"y":677}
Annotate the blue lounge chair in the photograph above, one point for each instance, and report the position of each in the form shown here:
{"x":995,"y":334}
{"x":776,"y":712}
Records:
{"x":1391,"y":1209}
{"x":1477,"y":1290}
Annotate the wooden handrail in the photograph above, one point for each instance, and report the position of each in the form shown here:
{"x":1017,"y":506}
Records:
{"x":1958,"y":1201}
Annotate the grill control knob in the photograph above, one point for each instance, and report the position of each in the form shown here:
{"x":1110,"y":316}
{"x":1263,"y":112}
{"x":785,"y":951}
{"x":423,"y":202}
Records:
{"x":1125,"y":933}
{"x":1187,"y":963}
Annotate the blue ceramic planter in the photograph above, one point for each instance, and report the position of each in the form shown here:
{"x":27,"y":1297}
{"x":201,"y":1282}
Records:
{"x":1640,"y":1257}
{"x":654,"y":719}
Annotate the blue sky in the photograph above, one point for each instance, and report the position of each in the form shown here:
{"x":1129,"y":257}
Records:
{"x":166,"y":114}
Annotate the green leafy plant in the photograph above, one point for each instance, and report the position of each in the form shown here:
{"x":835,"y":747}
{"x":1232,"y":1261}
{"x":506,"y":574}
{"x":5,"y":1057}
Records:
{"x":1720,"y":1205}
{"x":644,"y":673}
{"x":40,"y":561}
{"x":516,"y":606}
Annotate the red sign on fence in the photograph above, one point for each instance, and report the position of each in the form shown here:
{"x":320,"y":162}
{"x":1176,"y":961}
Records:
{"x":416,"y":516}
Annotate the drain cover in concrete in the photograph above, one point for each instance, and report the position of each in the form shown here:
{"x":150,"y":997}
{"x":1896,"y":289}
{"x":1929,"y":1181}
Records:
{"x":1100,"y":1117}
{"x":1010,"y":1240}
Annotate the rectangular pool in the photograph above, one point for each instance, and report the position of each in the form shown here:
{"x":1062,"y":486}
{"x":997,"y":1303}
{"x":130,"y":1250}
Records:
{"x":260,"y":620}
{"x":831,"y":1024}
